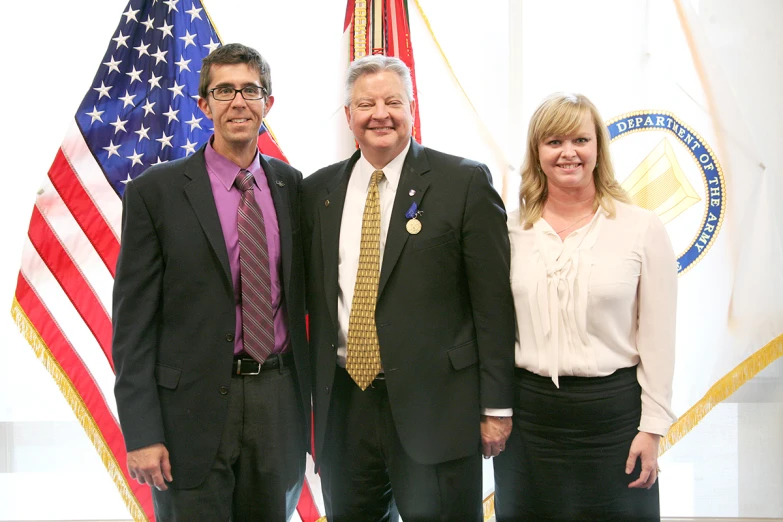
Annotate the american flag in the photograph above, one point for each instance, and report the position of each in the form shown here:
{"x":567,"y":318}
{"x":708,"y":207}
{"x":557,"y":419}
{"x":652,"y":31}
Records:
{"x":139,"y":110}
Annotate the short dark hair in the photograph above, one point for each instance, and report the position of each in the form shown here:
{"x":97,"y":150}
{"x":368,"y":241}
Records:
{"x":231,"y":54}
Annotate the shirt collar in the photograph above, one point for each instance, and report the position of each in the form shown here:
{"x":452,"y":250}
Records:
{"x":392,"y":171}
{"x":226,"y":170}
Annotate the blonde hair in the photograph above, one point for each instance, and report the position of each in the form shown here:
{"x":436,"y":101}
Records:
{"x":561,"y":114}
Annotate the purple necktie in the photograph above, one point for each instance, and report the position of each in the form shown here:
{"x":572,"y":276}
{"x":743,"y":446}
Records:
{"x":258,"y":330}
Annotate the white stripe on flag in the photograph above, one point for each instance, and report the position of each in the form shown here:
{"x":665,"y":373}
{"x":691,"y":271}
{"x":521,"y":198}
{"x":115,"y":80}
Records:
{"x":70,"y":323}
{"x":76,"y":244}
{"x":92,"y":178}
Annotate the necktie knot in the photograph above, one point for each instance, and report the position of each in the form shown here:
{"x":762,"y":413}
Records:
{"x":244,"y":180}
{"x":376,"y":178}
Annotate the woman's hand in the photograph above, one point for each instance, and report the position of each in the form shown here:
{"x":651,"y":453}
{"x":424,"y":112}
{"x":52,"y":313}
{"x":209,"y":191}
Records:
{"x":645,"y":447}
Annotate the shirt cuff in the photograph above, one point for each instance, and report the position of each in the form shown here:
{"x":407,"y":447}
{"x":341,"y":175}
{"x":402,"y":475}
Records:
{"x":498,"y":412}
{"x":655,"y":425}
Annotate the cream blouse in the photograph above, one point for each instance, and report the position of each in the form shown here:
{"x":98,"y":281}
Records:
{"x":603,"y":299}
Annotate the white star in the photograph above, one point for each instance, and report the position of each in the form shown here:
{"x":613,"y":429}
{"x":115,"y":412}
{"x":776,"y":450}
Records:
{"x":135,"y":75}
{"x":212,"y":45}
{"x":142,"y":132}
{"x":159,"y":160}
{"x":164,"y":140}
{"x":135,"y":158}
{"x":95,"y":115}
{"x":120,"y":39}
{"x":166,"y":29}
{"x":112,"y":65}
{"x":188,"y":39}
{"x":130,"y":13}
{"x":177,"y":90}
{"x":194,"y":12}
{"x":148,"y":107}
{"x":103,"y":90}
{"x":148,"y":24}
{"x":160,"y":55}
{"x":154,"y":81}
{"x":171,"y":114}
{"x":190,"y":148}
{"x":183,"y":64}
{"x":126,"y":180}
{"x":119,"y":125}
{"x":172,"y":5}
{"x":196,"y":97}
{"x":194,"y":123}
{"x":142,"y":48}
{"x":112,"y":148}
{"x":127,"y":99}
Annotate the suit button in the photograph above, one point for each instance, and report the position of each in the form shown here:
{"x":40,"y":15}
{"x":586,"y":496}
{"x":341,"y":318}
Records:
{"x":224,"y":390}
{"x":230,"y":337}
{"x":334,"y":347}
{"x":327,"y":390}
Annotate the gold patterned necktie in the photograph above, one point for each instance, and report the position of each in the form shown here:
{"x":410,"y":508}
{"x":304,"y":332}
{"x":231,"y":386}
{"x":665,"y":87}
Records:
{"x":363,"y":360}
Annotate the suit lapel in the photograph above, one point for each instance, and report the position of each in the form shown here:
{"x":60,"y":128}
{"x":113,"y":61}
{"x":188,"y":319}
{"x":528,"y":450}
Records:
{"x":199,"y":194}
{"x":411,"y":178}
{"x":330,"y":211}
{"x":280,"y":198}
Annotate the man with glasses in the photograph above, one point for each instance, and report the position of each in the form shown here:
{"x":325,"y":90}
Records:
{"x":209,"y":339}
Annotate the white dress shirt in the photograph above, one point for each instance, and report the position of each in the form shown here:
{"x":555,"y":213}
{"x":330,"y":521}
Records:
{"x":603,"y":299}
{"x":351,"y":233}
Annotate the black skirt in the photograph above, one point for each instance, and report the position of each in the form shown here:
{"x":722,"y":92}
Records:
{"x":565,"y":459}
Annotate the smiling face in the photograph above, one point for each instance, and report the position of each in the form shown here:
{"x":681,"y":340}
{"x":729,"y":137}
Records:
{"x":380,"y":116}
{"x":568,"y":161}
{"x":237,"y":122}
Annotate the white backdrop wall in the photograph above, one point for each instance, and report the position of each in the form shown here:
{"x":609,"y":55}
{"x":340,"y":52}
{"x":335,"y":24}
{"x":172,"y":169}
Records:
{"x":507,"y":54}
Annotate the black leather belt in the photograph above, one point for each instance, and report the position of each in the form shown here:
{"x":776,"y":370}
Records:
{"x":244,"y":365}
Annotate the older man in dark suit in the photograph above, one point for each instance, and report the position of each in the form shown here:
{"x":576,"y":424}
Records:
{"x":411,"y":318}
{"x":213,"y":385}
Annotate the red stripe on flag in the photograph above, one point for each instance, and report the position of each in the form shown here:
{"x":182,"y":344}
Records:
{"x":72,"y":281}
{"x":267,"y":145}
{"x":349,"y":14}
{"x":101,"y":422}
{"x":307,"y":508}
{"x":400,"y":34}
{"x":84,"y":211}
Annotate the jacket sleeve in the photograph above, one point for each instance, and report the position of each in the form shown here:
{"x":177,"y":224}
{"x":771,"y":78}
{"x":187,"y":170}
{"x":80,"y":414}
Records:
{"x":136,"y":323}
{"x":486,"y":254}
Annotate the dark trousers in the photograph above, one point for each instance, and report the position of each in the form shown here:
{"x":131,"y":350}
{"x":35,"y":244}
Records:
{"x":367,"y":476}
{"x":259,"y":468}
{"x":565,"y":458}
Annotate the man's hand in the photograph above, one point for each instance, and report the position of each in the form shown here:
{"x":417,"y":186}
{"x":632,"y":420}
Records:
{"x":150,"y":465}
{"x":645,"y":447}
{"x":494,"y":432}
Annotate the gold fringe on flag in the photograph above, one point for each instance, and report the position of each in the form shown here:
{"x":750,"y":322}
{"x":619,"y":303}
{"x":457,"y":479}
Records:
{"x":489,"y":507}
{"x":79,"y":409}
{"x":721,"y":390}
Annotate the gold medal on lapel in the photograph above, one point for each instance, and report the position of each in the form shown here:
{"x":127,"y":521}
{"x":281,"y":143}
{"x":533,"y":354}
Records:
{"x":413,"y":226}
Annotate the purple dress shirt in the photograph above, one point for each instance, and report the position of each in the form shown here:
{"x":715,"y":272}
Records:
{"x":222,"y":173}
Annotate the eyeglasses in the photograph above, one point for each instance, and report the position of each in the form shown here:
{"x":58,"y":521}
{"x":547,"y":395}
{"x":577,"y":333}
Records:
{"x":251,"y":92}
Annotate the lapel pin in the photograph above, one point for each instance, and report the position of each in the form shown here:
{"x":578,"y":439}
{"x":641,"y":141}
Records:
{"x":326,"y":202}
{"x":412,"y":192}
{"x":280,"y":183}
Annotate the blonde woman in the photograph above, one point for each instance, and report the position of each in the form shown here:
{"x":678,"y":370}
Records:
{"x":594,"y":281}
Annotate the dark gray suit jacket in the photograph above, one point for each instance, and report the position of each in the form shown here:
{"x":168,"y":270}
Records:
{"x":174,"y":311}
{"x":444,"y":313}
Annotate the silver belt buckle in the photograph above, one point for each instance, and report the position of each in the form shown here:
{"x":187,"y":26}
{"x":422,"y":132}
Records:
{"x":239,"y":368}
